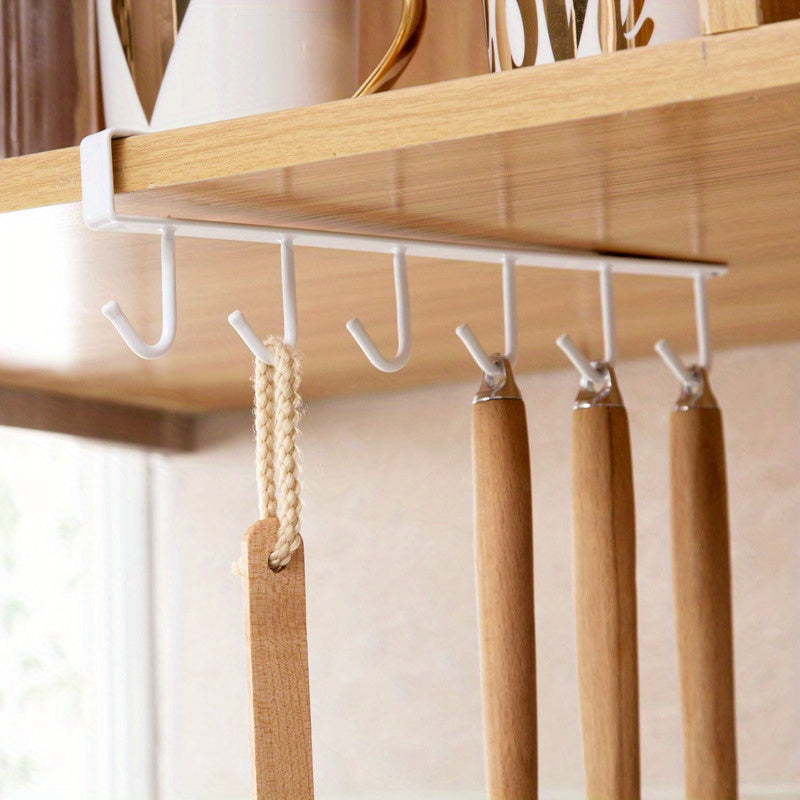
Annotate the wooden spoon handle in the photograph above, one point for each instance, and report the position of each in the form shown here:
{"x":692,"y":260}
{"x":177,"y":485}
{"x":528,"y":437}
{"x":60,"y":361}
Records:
{"x":702,"y":584}
{"x":605,"y":600}
{"x":504,"y":560}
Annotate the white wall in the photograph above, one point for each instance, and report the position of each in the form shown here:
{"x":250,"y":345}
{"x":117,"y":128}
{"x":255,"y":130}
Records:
{"x":392,"y":624}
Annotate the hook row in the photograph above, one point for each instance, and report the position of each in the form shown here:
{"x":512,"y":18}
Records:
{"x":593,"y":374}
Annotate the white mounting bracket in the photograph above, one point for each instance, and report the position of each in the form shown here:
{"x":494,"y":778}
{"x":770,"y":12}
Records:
{"x":99,"y":213}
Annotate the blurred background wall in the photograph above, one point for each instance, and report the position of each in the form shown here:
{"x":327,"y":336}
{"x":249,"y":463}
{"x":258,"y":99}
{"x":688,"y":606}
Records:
{"x":391,"y":607}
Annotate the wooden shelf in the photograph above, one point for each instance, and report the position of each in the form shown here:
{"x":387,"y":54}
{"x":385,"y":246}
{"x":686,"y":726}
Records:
{"x":690,"y":149}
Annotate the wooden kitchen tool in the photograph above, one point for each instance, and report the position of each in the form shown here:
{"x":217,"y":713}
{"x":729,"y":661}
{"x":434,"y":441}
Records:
{"x":273,"y":579}
{"x":605,"y":592}
{"x":504,"y":559}
{"x":279,"y":719}
{"x":702,"y":585}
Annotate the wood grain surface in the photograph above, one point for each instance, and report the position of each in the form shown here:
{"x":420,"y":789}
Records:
{"x":49,"y":75}
{"x":113,"y":422}
{"x":605,"y":601}
{"x":504,"y":566}
{"x":779,"y":10}
{"x":277,"y":670}
{"x":723,"y":16}
{"x":702,"y":584}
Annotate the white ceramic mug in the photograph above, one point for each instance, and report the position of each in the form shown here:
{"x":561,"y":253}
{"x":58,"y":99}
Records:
{"x":220,"y":59}
{"x":527,"y":32}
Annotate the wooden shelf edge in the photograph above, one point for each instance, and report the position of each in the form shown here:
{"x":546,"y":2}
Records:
{"x":95,"y":419}
{"x":742,"y":62}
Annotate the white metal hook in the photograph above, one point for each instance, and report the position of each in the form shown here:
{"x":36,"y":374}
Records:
{"x":359,"y":333}
{"x":169,"y":316}
{"x":510,"y":326}
{"x":688,"y":377}
{"x":289,"y":294}
{"x":589,"y":374}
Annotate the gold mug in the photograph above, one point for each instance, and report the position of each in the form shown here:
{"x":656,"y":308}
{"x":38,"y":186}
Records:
{"x":518,"y":29}
{"x":168,"y":63}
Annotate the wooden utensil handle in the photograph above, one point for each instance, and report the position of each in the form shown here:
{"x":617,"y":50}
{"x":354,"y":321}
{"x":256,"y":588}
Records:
{"x":702,"y":584}
{"x":277,"y":669}
{"x":605,"y":601}
{"x":504,"y":561}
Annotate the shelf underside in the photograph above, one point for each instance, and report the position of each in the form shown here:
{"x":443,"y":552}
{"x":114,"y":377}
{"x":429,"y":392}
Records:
{"x":689,"y":150}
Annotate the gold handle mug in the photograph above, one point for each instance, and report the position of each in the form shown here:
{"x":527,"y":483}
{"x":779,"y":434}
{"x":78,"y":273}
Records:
{"x":170,"y":63}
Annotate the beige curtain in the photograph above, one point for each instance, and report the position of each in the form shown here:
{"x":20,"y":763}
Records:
{"x":49,"y":75}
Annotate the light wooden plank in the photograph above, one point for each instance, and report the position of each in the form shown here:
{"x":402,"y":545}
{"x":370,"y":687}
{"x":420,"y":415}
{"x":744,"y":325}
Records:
{"x":722,"y":16}
{"x":43,"y":411}
{"x":480,"y":106}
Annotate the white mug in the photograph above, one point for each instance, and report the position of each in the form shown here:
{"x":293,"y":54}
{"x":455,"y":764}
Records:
{"x":527,"y":32}
{"x":219,"y":59}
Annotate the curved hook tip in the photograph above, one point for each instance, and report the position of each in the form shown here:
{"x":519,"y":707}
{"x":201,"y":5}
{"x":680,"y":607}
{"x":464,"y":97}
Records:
{"x":368,"y":347}
{"x":588,"y":373}
{"x":363,"y":339}
{"x":676,"y":366}
{"x":239,"y":323}
{"x":111,"y":310}
{"x":355,"y":327}
{"x":479,"y":355}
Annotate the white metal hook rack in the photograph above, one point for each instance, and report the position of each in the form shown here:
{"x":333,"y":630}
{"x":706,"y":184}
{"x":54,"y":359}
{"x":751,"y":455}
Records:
{"x":490,"y":368}
{"x":690,"y":378}
{"x":99,"y":213}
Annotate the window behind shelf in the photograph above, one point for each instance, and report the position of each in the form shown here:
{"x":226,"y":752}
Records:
{"x":76,"y":681}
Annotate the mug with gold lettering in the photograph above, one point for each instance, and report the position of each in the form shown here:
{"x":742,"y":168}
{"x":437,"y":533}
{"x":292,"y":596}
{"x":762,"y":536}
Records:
{"x":522,"y":33}
{"x":169,"y":63}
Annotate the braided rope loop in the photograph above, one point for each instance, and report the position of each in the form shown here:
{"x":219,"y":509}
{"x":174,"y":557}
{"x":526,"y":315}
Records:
{"x":277,"y":419}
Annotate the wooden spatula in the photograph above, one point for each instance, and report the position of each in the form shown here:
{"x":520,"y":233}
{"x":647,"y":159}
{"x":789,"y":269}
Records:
{"x":504,"y":559}
{"x":702,"y":584}
{"x":605,"y":593}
